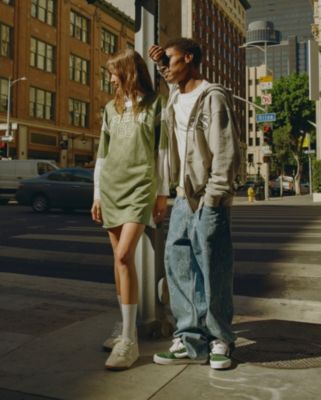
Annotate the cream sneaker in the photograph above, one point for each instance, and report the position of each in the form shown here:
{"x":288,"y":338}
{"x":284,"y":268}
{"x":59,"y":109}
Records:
{"x":114,"y":337}
{"x":124,"y":354}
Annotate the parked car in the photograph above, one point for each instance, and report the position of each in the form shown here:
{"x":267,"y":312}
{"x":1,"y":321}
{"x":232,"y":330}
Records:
{"x":65,"y":188}
{"x":13,"y":171}
{"x":287,"y":185}
{"x":304,"y":187}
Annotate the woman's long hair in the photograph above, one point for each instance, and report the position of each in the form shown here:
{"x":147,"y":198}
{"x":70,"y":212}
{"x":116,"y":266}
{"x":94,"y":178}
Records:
{"x":134,"y":78}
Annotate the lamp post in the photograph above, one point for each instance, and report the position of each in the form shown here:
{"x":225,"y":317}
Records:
{"x":260,"y":35}
{"x":8,"y":137}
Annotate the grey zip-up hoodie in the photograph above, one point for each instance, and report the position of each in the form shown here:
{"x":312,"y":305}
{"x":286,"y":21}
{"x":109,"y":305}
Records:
{"x":212,"y":155}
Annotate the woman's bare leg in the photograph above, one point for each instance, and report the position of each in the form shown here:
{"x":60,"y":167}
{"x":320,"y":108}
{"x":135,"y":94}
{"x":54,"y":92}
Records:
{"x":124,"y":246}
{"x":125,"y":261}
{"x":114,"y":235}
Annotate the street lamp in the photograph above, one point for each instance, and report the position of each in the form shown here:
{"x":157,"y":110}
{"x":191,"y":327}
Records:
{"x":8,"y":138}
{"x":261,"y":35}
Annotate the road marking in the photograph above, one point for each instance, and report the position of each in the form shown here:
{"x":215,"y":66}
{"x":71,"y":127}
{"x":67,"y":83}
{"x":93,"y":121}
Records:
{"x":64,"y":238}
{"x":277,"y":268}
{"x":278,"y":308}
{"x":277,"y":234}
{"x":293,"y":246}
{"x":280,"y":229}
{"x":304,"y":222}
{"x":103,"y":260}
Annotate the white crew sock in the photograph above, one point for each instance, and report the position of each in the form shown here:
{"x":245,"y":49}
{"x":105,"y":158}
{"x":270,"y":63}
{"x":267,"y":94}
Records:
{"x":119,"y":302}
{"x":129,"y":312}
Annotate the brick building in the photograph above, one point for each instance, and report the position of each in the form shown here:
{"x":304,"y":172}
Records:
{"x":61,"y":47}
{"x":219,"y":26}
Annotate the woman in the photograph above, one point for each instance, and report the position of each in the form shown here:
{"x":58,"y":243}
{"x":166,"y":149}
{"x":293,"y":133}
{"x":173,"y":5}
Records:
{"x":130,"y":190}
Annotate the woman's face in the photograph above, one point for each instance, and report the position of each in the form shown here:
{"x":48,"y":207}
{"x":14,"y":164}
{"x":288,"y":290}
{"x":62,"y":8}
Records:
{"x":115,"y":81}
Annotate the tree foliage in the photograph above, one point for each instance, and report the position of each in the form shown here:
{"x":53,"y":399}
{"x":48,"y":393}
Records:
{"x":293,"y":109}
{"x":291,"y":103}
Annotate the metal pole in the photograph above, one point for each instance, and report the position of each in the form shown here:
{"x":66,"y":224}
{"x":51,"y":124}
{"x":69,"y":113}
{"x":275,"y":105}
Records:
{"x":8,"y":116}
{"x":310,"y":175}
{"x":267,"y":160}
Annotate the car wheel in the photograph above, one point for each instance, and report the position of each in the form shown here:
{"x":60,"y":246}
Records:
{"x":40,"y":203}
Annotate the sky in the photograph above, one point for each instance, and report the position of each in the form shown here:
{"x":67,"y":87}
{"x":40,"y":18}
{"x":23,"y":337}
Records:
{"x":126,"y":6}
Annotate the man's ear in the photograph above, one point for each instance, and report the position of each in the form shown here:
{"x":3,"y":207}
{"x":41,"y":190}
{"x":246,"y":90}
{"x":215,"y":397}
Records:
{"x":188,"y":58}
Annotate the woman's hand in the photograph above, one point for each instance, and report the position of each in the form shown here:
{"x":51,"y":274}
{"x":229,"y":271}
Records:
{"x":160,"y":209}
{"x":96,"y":212}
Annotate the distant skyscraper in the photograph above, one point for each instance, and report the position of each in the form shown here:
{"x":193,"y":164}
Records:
{"x":293,"y":18}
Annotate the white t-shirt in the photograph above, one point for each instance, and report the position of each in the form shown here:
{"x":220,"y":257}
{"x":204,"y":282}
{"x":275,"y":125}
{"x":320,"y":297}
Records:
{"x":183,"y":106}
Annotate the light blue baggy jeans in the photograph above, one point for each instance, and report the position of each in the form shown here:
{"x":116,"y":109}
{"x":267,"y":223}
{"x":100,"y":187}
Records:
{"x":199,"y":267}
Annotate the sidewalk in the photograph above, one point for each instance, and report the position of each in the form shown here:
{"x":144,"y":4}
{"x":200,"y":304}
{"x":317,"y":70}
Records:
{"x":301,"y":200}
{"x":51,"y":333}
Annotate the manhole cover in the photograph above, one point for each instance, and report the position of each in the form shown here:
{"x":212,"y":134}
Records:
{"x":279,"y":353}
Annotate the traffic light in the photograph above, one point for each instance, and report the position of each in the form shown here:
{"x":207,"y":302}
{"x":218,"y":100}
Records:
{"x":3,"y":149}
{"x":63,"y":144}
{"x":268,"y":134}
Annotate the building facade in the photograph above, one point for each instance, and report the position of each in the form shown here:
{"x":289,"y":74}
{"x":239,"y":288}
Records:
{"x":219,"y":26}
{"x":254,"y":132}
{"x":61,"y":47}
{"x":316,"y":30}
{"x":291,"y":55}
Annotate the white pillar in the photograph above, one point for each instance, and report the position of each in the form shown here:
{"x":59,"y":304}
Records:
{"x":150,"y":248}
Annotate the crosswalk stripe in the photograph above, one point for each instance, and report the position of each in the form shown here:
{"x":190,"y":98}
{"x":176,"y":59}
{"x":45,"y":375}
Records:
{"x":293,"y":246}
{"x":56,"y":256}
{"x":65,"y":238}
{"x":281,"y":268}
{"x":279,"y":228}
{"x":81,"y":229}
{"x":277,"y":234}
{"x":279,"y":221}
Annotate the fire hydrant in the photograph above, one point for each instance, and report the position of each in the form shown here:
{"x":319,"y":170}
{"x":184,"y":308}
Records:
{"x":250,"y":194}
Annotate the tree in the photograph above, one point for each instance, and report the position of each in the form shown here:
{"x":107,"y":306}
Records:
{"x":293,"y":110}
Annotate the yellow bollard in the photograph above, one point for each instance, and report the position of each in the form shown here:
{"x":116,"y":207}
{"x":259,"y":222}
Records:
{"x":250,"y":194}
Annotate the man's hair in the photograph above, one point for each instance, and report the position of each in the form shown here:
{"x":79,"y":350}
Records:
{"x":187,"y":46}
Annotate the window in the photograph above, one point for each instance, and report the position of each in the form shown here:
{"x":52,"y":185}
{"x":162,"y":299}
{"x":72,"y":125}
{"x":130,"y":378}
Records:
{"x":60,"y":176}
{"x":43,"y":139}
{"x":108,"y":42}
{"x":78,"y":113}
{"x":41,"y":104}
{"x":82,"y":176}
{"x":3,"y":94}
{"x":44,"y":10}
{"x":78,"y":69}
{"x":257,"y":141}
{"x":105,"y":84}
{"x":9,"y":2}
{"x":5,"y":40}
{"x":250,"y":141}
{"x":79,"y":27}
{"x":41,"y":55}
{"x":44,"y":167}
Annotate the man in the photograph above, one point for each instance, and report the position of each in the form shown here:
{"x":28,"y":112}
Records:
{"x":203,"y":146}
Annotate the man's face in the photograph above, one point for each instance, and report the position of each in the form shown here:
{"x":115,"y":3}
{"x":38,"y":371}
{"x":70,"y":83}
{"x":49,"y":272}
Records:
{"x":179,"y":66}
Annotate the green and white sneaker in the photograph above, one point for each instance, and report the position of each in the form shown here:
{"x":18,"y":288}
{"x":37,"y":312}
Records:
{"x":220,"y":355}
{"x":177,"y":355}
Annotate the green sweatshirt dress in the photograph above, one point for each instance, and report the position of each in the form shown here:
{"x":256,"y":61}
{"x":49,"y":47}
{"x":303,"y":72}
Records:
{"x":128,"y":179}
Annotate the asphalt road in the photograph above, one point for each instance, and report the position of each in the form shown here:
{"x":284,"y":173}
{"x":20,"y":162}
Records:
{"x":54,"y":244}
{"x":72,"y":246}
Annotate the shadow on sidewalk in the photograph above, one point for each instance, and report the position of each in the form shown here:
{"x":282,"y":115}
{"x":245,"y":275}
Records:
{"x":278,"y":344}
